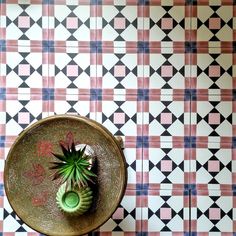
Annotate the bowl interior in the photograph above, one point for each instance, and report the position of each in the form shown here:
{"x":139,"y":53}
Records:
{"x":28,"y":180}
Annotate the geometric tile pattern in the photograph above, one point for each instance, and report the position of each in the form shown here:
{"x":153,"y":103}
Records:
{"x":213,"y":212}
{"x":210,"y":23}
{"x":72,"y":22}
{"x":72,"y":69}
{"x":166,"y":24}
{"x":127,"y":218}
{"x":23,"y":23}
{"x":119,"y":70}
{"x":133,"y":155}
{"x":121,"y":115}
{"x":24,"y":69}
{"x":73,"y":104}
{"x":212,"y":70}
{"x":162,"y":121}
{"x":165,"y":165}
{"x":213,"y":117}
{"x":166,"y":69}
{"x":119,"y":24}
{"x":165,"y":211}
{"x":159,"y":73}
{"x":213,"y":166}
{"x":20,"y":111}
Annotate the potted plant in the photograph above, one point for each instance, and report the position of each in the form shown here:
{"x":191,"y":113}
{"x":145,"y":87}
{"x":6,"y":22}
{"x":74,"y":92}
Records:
{"x":73,"y":168}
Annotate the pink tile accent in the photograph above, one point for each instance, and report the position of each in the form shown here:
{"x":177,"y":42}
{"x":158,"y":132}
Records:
{"x":72,"y":23}
{"x":214,"y":23}
{"x":72,"y":70}
{"x":166,"y":71}
{"x":214,"y":118}
{"x":166,"y":165}
{"x":119,"y":118}
{"x":166,"y":23}
{"x":119,"y":71}
{"x":23,"y":118}
{"x":214,"y":71}
{"x":24,"y":69}
{"x":213,"y":166}
{"x":165,"y":213}
{"x":1,"y":201}
{"x":24,"y":22}
{"x":119,"y":214}
{"x":119,"y":23}
{"x":166,"y":118}
{"x":214,"y":213}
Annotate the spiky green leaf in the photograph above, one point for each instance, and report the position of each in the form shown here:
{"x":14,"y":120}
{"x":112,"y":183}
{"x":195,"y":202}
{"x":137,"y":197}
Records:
{"x":73,"y":166}
{"x":73,"y":150}
{"x":59,"y":156}
{"x":89,"y":173}
{"x":65,"y":151}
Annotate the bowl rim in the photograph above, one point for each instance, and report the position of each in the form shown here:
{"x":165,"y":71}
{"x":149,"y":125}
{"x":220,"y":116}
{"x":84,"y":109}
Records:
{"x":95,"y":125}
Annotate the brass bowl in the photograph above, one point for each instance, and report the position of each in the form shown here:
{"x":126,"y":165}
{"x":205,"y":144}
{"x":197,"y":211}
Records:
{"x":29,"y":186}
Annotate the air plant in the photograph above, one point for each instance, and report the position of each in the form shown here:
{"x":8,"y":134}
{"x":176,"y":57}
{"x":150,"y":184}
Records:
{"x":73,"y":167}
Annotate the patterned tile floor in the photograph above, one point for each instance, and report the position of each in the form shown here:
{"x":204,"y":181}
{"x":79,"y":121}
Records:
{"x":159,"y":73}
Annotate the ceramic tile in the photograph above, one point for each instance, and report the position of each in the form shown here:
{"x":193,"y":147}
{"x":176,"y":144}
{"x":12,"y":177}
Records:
{"x":82,"y":105}
{"x":166,"y":23}
{"x":213,"y":213}
{"x":166,"y":165}
{"x":213,"y":118}
{"x":121,"y":114}
{"x":72,"y":69}
{"x":5,"y":146}
{"x":21,"y":110}
{"x":2,"y":161}
{"x":127,"y":218}
{"x":119,"y":23}
{"x":12,"y":223}
{"x":166,"y":70}
{"x":133,"y":155}
{"x":114,"y":233}
{"x":23,"y":69}
{"x":213,"y":70}
{"x":212,"y":23}
{"x":1,"y":213}
{"x":119,"y":70}
{"x":4,"y":149}
{"x":165,"y":212}
{"x":72,"y":23}
{"x":166,"y":117}
{"x":151,"y":74}
{"x":2,"y":25}
{"x":24,"y":23}
{"x":213,"y":166}
{"x":2,"y":119}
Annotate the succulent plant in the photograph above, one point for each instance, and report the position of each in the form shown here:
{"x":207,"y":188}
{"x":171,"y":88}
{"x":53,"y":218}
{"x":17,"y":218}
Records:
{"x":74,"y":166}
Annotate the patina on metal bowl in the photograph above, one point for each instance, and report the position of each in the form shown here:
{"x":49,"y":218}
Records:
{"x":28,"y":182}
